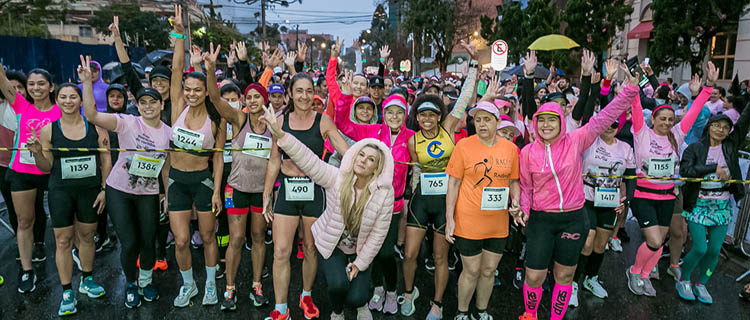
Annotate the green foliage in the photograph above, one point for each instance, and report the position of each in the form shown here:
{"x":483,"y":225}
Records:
{"x":137,"y":27}
{"x":434,"y":22}
{"x":28,"y":18}
{"x":683,"y":30}
{"x":593,"y":23}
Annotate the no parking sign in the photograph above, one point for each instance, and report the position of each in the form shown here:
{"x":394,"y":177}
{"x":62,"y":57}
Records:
{"x":499,"y":58}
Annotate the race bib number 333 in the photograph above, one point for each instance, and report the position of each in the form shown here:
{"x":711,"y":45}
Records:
{"x":495,"y":198}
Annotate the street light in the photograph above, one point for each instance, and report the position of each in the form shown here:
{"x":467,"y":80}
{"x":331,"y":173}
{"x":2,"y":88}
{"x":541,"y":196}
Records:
{"x":369,"y":31}
{"x":476,"y":33}
{"x":323,"y":45}
{"x":286,"y":21}
{"x":313,"y":39}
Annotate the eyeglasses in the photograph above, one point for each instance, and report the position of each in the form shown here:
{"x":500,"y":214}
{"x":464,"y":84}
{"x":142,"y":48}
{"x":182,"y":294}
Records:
{"x":720,"y":127}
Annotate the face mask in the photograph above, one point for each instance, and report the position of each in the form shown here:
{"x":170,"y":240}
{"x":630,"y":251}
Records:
{"x":235,"y":104}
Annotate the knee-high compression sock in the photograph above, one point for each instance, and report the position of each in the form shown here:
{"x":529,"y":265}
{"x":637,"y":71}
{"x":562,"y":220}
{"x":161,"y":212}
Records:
{"x":531,"y":298}
{"x":652,"y":261}
{"x":560,"y":299}
{"x":594,"y":263}
{"x":641,"y":258}
{"x":582,"y":263}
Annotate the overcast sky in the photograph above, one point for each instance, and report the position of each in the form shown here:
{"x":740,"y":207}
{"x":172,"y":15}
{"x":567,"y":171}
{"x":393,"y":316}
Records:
{"x":326,"y":16}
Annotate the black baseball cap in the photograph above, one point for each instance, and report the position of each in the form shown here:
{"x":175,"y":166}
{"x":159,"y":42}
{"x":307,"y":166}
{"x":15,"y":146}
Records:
{"x":377,"y":81}
{"x":148,"y":92}
{"x":161,"y":72}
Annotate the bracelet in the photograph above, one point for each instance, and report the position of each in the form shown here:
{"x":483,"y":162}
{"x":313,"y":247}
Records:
{"x":177,"y":35}
{"x":382,"y":60}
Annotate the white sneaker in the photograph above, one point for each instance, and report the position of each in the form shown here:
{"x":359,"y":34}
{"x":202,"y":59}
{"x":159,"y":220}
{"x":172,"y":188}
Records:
{"x":574,"y":296}
{"x":186,"y":293}
{"x":615,"y":244}
{"x":595,"y":287}
{"x":209,"y":296}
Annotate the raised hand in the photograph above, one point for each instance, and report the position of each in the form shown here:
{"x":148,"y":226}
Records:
{"x":632,"y":78}
{"x":356,"y":44}
{"x":301,"y":52}
{"x":346,"y":84}
{"x":647,"y":69}
{"x":695,"y":84}
{"x":177,"y":20}
{"x":587,"y":62}
{"x":385,"y":52}
{"x":290,"y":58}
{"x":33,"y":143}
{"x":389,"y":64}
{"x":595,"y":77}
{"x":196,"y":55}
{"x":115,"y":27}
{"x":529,"y":63}
{"x":241,"y":51}
{"x":84,"y":69}
{"x":232,"y":56}
{"x":611,"y":66}
{"x":469,"y":48}
{"x":275,"y":59}
{"x":269,"y":117}
{"x":712,"y":74}
{"x":336,"y":48}
{"x":211,"y":56}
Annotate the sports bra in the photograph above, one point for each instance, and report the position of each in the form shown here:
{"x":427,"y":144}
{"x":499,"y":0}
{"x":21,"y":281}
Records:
{"x":184,"y":138}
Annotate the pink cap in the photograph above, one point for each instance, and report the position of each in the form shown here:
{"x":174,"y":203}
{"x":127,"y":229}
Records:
{"x":508,"y":124}
{"x":485,"y":106}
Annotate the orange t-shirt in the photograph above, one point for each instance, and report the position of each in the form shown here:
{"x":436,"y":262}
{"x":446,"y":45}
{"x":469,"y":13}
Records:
{"x":479,"y":166}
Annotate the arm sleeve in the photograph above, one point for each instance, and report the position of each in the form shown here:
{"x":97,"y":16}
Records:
{"x":131,"y":78}
{"x":343,"y":119}
{"x":358,"y":61}
{"x":528,"y":106}
{"x":334,"y":91}
{"x":265,"y":77}
{"x":636,"y":114}
{"x":466,"y":93}
{"x":578,"y":110}
{"x":588,"y":110}
{"x":527,"y":186}
{"x":689,"y":166}
{"x":585,"y":135}
{"x":742,"y":126}
{"x":381,"y":70}
{"x":242,"y":69}
{"x":695,"y":109}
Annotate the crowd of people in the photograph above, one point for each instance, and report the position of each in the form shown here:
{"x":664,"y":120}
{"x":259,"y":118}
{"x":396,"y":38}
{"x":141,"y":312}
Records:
{"x":357,"y":169}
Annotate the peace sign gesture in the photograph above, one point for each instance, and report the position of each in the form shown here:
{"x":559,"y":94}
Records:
{"x":84,"y":69}
{"x":177,"y":19}
{"x":346,"y":84}
{"x":336,"y":48}
{"x":210,"y":57}
{"x":269,"y":117}
{"x":33,"y":142}
{"x":114,"y":27}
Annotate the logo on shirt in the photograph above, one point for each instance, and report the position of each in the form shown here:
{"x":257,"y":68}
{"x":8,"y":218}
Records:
{"x":486,"y":165}
{"x":434,"y":149}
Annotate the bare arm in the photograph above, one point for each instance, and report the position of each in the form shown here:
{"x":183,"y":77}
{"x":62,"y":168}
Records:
{"x":6,"y":87}
{"x":40,"y":140}
{"x":232,"y":115}
{"x":104,"y":120}
{"x":104,"y":156}
{"x":178,"y":64}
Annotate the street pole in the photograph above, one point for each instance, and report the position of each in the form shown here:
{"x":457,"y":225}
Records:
{"x":296,"y":42}
{"x":263,"y":19}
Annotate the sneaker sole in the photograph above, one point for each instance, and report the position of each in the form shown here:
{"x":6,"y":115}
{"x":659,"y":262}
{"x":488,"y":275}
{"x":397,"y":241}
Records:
{"x":87,"y":293}
{"x":188,"y":301}
{"x":594,"y":293}
{"x":703,"y":301}
{"x":133,"y":307}
{"x":416,"y":295}
{"x":67,"y":313}
{"x":676,"y":287}
{"x":258,"y":304}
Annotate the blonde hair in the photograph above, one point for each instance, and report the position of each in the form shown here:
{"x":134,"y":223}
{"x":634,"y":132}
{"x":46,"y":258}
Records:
{"x":351,"y":210}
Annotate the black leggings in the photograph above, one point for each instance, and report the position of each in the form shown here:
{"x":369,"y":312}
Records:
{"x":135,"y":218}
{"x":340,"y":290}
{"x":40,"y":218}
{"x":384,"y":265}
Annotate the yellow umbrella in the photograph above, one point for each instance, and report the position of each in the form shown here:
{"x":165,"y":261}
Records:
{"x":553,"y":42}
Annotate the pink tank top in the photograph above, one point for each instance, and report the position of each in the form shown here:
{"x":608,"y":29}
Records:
{"x":184,"y":138}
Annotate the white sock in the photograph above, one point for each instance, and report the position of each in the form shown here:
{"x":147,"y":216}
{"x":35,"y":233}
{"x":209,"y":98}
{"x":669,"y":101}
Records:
{"x":306,"y":293}
{"x":187,"y":278}
{"x":211,"y":274}
{"x":144,"y":277}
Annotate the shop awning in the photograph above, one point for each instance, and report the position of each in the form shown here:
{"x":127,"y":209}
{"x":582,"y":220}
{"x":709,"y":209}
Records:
{"x":641,"y":31}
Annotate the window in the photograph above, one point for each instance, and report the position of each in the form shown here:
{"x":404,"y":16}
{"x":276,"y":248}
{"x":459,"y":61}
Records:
{"x":85,"y":31}
{"x":722,"y":53}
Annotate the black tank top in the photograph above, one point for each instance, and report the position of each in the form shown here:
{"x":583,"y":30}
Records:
{"x":75,"y":168}
{"x":310,"y":137}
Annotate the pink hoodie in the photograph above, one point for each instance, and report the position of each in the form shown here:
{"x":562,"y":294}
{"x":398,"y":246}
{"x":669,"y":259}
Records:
{"x":376,"y":218}
{"x":551,"y":176}
{"x":399,"y":148}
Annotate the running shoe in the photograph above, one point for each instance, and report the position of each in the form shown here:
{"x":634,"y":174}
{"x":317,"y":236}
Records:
{"x":26,"y":282}
{"x":268,"y":238}
{"x":655,"y":273}
{"x":68,"y":303}
{"x":102,"y":243}
{"x":436,"y":312}
{"x":453,"y":260}
{"x":210,"y":296}
{"x":461,"y":316}
{"x":701,"y":293}
{"x":363,"y":313}
{"x":132,"y":298}
{"x":256,"y":295}
{"x":573,"y":302}
{"x":309,"y":309}
{"x":407,"y":305}
{"x":399,"y":250}
{"x":482,"y":316}
{"x":518,"y":278}
{"x":149,"y":292}
{"x":230,"y":300}
{"x":648,"y":288}
{"x":38,"y":252}
{"x":377,"y":300}
{"x":594,"y":286}
{"x":221,"y":269}
{"x":497,"y":278}
{"x":300,"y":251}
{"x":276,"y":315}
{"x":635,"y":283}
{"x":675,"y":272}
{"x":186,"y":293}
{"x":391,"y":303}
{"x":196,"y":240}
{"x":429,"y":264}
{"x":161,"y":264}
{"x":90,"y":288}
{"x":685,"y":290}
{"x":527,"y":316}
{"x":337,"y":316}
{"x":77,"y":259}
{"x":615,"y":244}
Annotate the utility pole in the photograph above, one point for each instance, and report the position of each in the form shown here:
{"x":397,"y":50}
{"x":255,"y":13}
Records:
{"x":296,"y":42}
{"x":263,"y":18}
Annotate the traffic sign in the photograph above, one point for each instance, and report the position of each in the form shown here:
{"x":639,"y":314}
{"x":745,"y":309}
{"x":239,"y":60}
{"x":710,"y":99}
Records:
{"x":499,"y":59}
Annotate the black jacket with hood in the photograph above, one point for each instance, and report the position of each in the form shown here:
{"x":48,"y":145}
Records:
{"x":693,"y":164}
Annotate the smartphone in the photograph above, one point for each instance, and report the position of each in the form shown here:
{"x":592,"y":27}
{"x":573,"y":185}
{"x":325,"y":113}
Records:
{"x":635,"y":67}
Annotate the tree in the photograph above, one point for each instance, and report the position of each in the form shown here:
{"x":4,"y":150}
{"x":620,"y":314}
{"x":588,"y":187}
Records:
{"x":683,"y":30}
{"x":137,"y":26}
{"x":220,"y":32}
{"x":435,"y":22}
{"x":593,"y":23}
{"x":28,"y":18}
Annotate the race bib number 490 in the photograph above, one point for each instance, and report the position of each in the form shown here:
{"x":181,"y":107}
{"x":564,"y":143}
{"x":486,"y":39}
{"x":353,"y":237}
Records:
{"x":186,"y":138}
{"x":299,"y":189}
{"x":145,"y":166}
{"x":434,"y":183}
{"x":660,"y":167}
{"x":78,"y":167}
{"x":495,"y":198}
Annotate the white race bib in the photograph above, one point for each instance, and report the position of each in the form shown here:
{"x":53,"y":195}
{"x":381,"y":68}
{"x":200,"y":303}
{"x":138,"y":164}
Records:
{"x":186,"y":138}
{"x":434,"y":183}
{"x":145,"y":166}
{"x":229,"y":131}
{"x":299,"y":189}
{"x":660,"y":167}
{"x":254,"y":141}
{"x":226,"y":153}
{"x":78,"y":167}
{"x":606,"y":197}
{"x":495,"y":198}
{"x":712,"y":184}
{"x":26,"y":156}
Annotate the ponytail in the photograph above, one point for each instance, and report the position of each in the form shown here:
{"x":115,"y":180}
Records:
{"x":673,"y":142}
